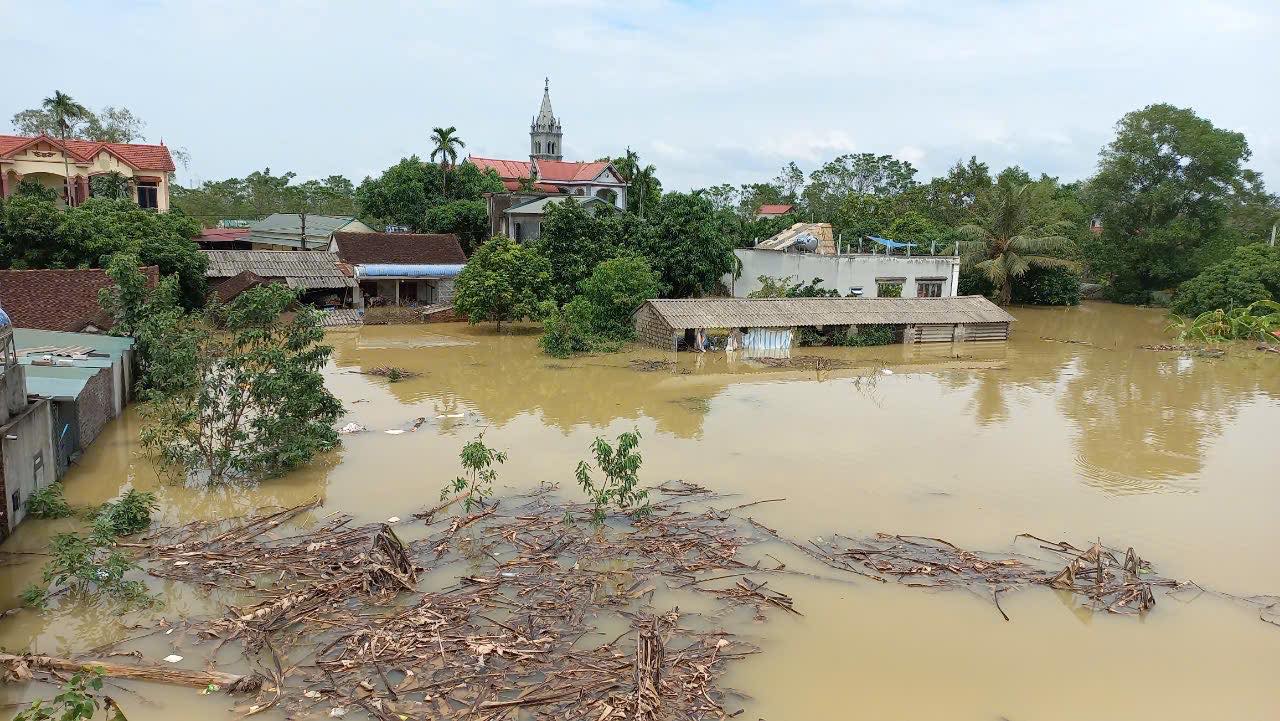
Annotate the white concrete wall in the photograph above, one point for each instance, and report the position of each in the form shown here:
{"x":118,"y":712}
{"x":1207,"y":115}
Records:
{"x":842,"y":272}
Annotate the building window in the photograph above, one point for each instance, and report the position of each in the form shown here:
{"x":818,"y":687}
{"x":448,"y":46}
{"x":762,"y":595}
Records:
{"x":928,"y":289}
{"x":537,"y":146}
{"x":148,"y":195}
{"x":551,"y":148}
{"x":889,"y":287}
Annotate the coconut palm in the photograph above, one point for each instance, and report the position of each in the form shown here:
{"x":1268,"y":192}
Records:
{"x":446,"y":148}
{"x":65,"y":110}
{"x":1005,"y":241}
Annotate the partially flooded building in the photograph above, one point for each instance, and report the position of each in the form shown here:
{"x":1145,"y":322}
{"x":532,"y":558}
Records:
{"x":771,"y":322}
{"x":26,"y":436}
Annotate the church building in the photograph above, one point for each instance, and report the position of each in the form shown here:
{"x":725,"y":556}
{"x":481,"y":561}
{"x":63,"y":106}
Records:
{"x":546,"y":171}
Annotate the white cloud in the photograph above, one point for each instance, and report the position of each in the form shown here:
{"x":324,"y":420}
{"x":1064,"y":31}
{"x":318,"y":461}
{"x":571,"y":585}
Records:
{"x":714,"y":91}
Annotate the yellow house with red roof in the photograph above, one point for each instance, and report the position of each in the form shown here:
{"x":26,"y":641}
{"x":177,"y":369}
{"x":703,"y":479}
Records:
{"x":67,"y":167}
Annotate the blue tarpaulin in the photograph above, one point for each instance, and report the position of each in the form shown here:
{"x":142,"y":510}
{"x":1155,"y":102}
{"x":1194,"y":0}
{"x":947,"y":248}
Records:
{"x":890,"y":243}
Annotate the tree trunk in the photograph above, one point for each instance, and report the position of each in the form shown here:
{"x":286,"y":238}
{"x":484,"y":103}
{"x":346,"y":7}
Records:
{"x":20,"y":667}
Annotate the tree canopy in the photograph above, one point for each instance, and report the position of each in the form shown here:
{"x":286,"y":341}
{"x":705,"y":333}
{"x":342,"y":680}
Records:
{"x":502,"y":281}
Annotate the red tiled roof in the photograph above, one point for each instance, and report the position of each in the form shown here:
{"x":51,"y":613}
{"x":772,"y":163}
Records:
{"x":775,"y":209}
{"x":139,"y":156}
{"x":222,"y":235}
{"x":506,"y":169}
{"x":65,"y":300}
{"x":562,"y":171}
{"x":407,"y":248}
{"x":514,"y":185}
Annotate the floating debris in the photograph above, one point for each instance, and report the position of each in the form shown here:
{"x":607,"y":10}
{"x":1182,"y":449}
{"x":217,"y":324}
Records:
{"x":391,"y":373}
{"x":352,"y":427}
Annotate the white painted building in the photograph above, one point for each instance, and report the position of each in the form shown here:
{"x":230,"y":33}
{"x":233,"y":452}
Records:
{"x":920,"y":276}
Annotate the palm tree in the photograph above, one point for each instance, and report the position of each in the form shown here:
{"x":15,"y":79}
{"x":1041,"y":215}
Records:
{"x":65,"y":110}
{"x":1004,"y":241}
{"x":446,"y":147}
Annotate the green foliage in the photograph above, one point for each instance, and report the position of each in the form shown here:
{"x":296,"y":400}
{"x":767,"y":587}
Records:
{"x":109,"y":125}
{"x":576,"y":238}
{"x":89,"y":566}
{"x":889,"y":290}
{"x":48,"y":502}
{"x":1017,"y":226}
{"x":620,"y":485}
{"x":1047,"y":286}
{"x":260,"y":194}
{"x":478,"y":473}
{"x":690,"y":246}
{"x":467,"y":219}
{"x":37,"y":234}
{"x":868,"y":335}
{"x":771,"y":287}
{"x":1251,"y":273}
{"x":1163,"y":189}
{"x":502,"y":281}
{"x":78,"y":701}
{"x":445,"y":144}
{"x":401,"y":195}
{"x":646,"y":190}
{"x":1257,"y":321}
{"x":128,"y":514}
{"x":240,"y":391}
{"x":599,"y":319}
{"x":109,"y":185}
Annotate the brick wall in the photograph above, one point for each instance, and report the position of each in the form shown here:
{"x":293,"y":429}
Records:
{"x":95,"y":406}
{"x":652,"y":330}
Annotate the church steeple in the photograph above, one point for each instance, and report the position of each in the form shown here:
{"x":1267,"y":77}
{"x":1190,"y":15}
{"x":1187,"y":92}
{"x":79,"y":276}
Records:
{"x":545,"y":131}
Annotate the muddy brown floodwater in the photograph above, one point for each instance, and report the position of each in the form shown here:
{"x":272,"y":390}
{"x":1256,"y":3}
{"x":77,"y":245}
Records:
{"x":1173,"y":454}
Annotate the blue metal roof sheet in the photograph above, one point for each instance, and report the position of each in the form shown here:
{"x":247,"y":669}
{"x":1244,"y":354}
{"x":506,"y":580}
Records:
{"x":401,"y":270}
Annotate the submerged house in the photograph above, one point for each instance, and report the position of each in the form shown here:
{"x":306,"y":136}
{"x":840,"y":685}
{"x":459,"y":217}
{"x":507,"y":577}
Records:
{"x":86,"y":378}
{"x":808,"y":250}
{"x":26,"y":436}
{"x":522,"y":221}
{"x":771,"y":322}
{"x":401,"y":269}
{"x":319,"y":275}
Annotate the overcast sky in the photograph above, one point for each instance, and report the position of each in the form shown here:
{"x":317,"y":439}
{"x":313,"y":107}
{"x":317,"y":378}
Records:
{"x":709,"y":92}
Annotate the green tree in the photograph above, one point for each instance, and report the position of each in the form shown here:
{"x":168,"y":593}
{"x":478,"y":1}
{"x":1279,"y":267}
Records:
{"x":645,"y":189}
{"x":856,"y":174}
{"x":621,"y":484}
{"x":574,"y":239}
{"x":445,"y":145}
{"x":467,"y":219}
{"x":401,"y":195}
{"x":243,"y":395}
{"x":1252,"y":273}
{"x":1013,"y":230}
{"x":1163,"y":191}
{"x":502,"y":281}
{"x":65,"y":111}
{"x":689,"y":244}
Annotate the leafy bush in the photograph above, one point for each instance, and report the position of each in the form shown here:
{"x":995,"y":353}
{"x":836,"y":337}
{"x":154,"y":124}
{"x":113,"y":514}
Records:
{"x":48,"y":502}
{"x":478,"y":474}
{"x":868,"y":335}
{"x":598,"y":320}
{"x":1047,"y":286}
{"x":503,"y":281}
{"x":620,"y":484}
{"x":1256,"y":321}
{"x":783,"y":288}
{"x":1251,"y":273}
{"x":77,"y":702}
{"x":127,"y":515}
{"x":86,"y":566}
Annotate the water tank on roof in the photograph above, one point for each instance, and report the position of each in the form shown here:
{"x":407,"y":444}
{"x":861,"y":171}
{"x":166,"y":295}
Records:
{"x":4,"y":319}
{"x":805,"y":243}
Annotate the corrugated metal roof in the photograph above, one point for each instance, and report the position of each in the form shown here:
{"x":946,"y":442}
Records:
{"x":791,"y":312}
{"x":58,"y":382}
{"x":292,"y":223}
{"x":298,"y":268}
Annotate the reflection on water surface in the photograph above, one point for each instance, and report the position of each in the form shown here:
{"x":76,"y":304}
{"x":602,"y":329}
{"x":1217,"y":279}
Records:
{"x":973,"y":442}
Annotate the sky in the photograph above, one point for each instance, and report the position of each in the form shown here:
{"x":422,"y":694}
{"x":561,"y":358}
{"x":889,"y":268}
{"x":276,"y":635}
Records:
{"x":709,"y":92}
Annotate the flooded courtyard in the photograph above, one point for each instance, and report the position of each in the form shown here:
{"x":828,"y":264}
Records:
{"x":1070,"y":430}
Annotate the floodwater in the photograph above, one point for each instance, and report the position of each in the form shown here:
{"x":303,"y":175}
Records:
{"x":1067,"y":431}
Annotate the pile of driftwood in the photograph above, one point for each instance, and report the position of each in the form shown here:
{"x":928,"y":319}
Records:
{"x":1104,"y":578}
{"x":542,"y":619}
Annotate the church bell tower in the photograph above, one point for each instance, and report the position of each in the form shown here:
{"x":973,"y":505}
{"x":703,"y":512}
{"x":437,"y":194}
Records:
{"x":544,"y":131}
